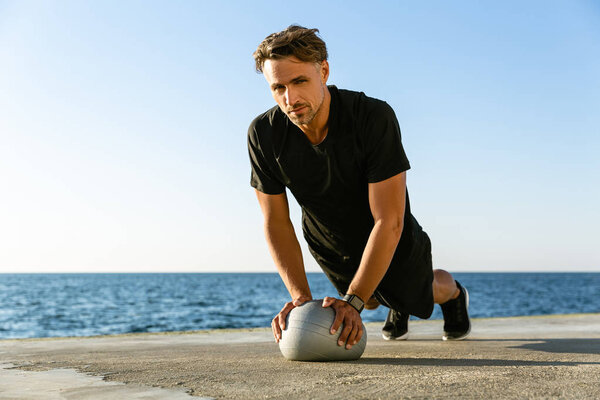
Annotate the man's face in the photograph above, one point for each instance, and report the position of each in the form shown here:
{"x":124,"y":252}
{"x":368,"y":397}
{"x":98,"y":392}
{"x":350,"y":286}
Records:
{"x":298,"y":87}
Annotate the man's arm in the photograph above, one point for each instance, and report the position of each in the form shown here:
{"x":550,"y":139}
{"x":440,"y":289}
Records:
{"x":286,"y":253}
{"x":387,"y":201}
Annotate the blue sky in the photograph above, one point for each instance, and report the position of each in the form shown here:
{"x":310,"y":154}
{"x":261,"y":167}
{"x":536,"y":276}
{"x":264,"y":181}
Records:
{"x":123,"y":128}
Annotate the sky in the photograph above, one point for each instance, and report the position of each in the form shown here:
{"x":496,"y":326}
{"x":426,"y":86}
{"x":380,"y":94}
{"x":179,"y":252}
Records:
{"x":123,"y":129}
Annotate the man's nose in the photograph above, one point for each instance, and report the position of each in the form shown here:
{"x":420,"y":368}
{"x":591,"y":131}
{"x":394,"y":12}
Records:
{"x":290,"y":97}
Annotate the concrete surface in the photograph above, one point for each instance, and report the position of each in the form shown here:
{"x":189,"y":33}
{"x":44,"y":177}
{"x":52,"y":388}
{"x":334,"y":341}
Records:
{"x":520,"y":358}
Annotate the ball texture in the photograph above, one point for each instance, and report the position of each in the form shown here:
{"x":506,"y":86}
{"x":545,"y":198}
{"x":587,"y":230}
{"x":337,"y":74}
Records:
{"x":306,"y":335}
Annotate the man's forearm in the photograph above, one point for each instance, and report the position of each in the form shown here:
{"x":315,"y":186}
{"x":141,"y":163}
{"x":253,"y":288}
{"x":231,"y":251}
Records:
{"x":376,"y":259}
{"x":286,"y":253}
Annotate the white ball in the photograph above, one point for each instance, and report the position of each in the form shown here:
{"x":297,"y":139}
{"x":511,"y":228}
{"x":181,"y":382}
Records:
{"x":306,"y":335}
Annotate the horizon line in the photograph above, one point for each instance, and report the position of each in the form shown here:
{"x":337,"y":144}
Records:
{"x":275,"y":272}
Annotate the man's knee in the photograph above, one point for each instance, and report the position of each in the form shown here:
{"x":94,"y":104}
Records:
{"x":372,"y":303}
{"x":444,"y":286}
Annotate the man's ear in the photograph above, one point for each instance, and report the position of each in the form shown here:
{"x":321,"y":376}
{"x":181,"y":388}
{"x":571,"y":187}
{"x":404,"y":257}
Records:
{"x":324,"y":71}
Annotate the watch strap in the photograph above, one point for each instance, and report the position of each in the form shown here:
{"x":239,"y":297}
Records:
{"x":355,"y":302}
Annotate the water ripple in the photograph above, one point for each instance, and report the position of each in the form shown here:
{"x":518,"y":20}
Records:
{"x":44,"y":305}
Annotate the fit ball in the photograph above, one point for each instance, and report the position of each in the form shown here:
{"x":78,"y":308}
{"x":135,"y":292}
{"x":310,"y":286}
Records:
{"x":306,"y":335}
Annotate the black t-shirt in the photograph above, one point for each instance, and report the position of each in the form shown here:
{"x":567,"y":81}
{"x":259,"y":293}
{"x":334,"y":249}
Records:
{"x":330,"y":180}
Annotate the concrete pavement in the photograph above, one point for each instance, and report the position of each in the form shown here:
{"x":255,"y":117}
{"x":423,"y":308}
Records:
{"x":522,"y":357}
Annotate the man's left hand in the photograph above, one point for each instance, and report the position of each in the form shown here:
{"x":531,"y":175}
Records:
{"x":346,"y":314}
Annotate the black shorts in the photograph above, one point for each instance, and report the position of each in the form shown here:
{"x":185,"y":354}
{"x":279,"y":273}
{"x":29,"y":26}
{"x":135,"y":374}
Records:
{"x":406,"y":286}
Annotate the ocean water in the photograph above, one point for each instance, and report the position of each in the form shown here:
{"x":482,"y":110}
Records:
{"x":46,"y":305}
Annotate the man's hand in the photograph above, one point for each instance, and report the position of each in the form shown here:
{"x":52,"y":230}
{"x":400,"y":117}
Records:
{"x":346,"y":314}
{"x":278,"y":323}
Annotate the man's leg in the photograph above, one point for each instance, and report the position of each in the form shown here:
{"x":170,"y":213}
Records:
{"x":372,"y":304}
{"x":454,"y":300}
{"x":444,"y":287}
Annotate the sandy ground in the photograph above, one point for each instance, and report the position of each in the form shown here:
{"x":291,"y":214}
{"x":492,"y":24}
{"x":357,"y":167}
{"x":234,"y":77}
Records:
{"x":524,"y":357}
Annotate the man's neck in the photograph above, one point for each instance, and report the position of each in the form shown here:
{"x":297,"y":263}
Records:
{"x":317,"y":129}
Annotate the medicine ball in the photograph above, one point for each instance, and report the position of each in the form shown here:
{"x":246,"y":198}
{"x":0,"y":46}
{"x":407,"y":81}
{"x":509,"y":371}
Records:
{"x":306,"y":335}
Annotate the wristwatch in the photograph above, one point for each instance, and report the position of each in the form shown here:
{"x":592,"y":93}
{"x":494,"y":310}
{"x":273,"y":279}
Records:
{"x":355,"y":302}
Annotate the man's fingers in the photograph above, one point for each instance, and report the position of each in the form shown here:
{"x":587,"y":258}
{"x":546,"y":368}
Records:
{"x":345,"y":332}
{"x":299,"y":301}
{"x":281,"y":319}
{"x":354,"y":335}
{"x":359,"y":333}
{"x":276,"y":329}
{"x":339,"y":315}
{"x":278,"y":323}
{"x":339,"y":318}
{"x":283,"y":314}
{"x":328,"y":301}
{"x":352,"y":324}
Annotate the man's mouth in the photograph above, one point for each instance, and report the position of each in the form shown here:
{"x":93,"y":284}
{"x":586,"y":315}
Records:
{"x":297,"y":110}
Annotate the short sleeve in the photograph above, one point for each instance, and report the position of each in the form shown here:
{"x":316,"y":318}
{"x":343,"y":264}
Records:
{"x":262,"y":177}
{"x":385,"y":156}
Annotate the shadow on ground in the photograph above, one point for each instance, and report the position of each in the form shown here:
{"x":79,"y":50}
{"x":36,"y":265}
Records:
{"x":573,"y":346}
{"x":589,"y":346}
{"x":466,"y":362}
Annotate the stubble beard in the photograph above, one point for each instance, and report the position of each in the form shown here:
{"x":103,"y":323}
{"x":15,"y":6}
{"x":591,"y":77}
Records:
{"x":310,"y":115}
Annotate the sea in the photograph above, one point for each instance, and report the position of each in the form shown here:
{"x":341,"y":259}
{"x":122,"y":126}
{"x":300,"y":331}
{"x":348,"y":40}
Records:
{"x":50,"y":305}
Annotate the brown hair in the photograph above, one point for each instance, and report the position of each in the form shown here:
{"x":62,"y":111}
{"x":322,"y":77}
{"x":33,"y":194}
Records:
{"x":295,"y":40}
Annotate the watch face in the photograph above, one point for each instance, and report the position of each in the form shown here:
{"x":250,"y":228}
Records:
{"x":355,"y":302}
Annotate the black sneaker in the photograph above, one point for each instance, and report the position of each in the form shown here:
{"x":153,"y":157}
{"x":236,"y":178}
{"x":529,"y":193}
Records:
{"x":457,"y":325}
{"x":396,"y":326}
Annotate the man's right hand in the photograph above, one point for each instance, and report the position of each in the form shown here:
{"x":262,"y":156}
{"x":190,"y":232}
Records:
{"x":278,"y":323}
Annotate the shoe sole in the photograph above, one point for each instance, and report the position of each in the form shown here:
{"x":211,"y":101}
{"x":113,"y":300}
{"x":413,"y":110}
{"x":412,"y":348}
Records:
{"x":446,"y":338}
{"x":403,"y":337}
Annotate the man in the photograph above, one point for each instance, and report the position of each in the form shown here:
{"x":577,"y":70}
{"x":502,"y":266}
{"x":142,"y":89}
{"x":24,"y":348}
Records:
{"x":340,"y":154}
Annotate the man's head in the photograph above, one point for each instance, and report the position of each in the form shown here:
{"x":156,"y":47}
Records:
{"x":296,"y":41}
{"x":294,"y":63}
